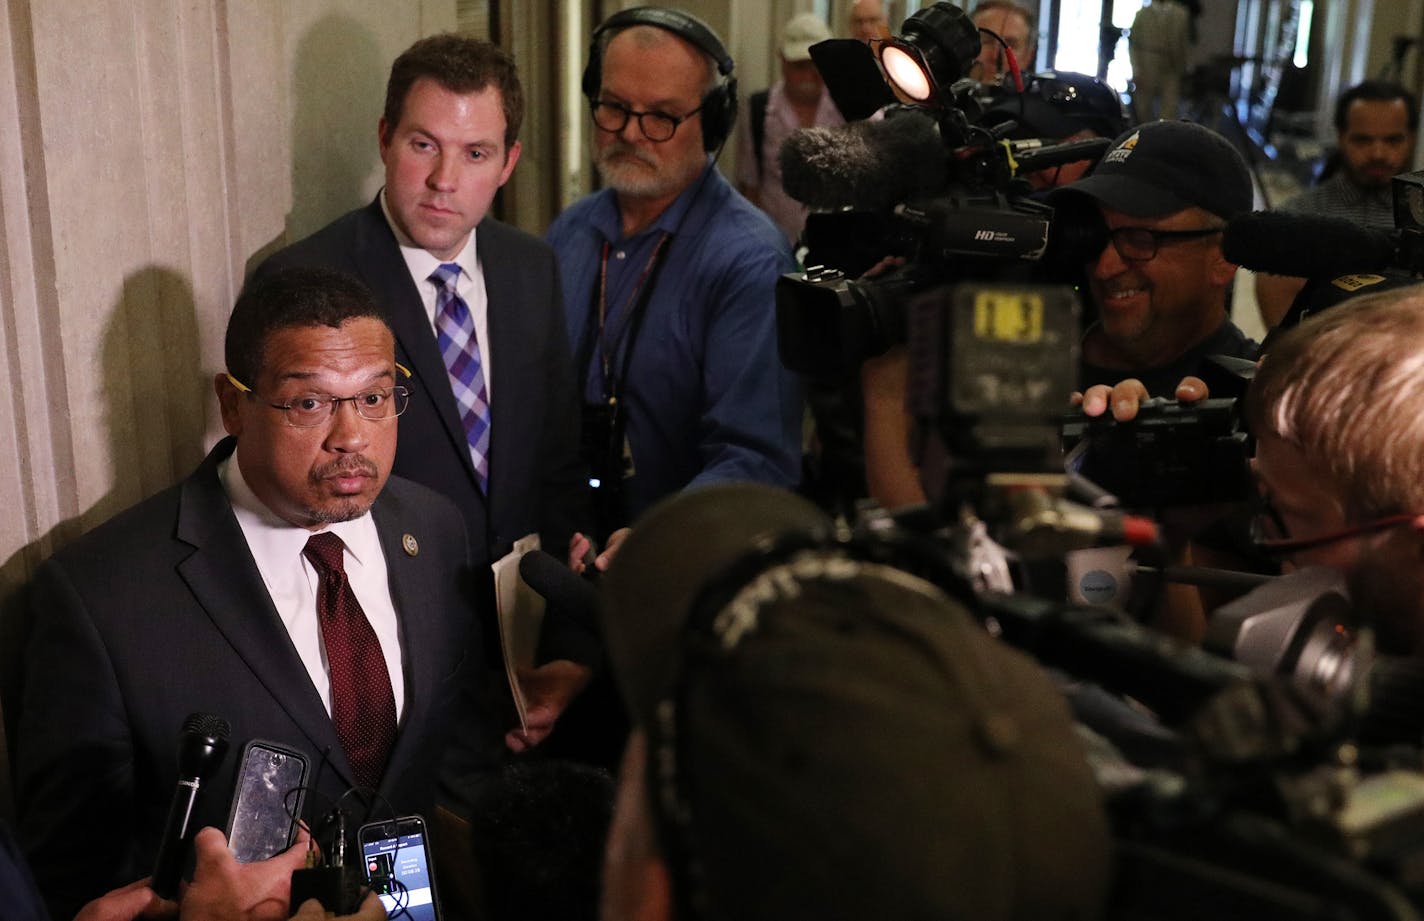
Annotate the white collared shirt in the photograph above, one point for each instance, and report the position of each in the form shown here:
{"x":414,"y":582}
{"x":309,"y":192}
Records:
{"x":292,"y":581}
{"x":471,"y":285}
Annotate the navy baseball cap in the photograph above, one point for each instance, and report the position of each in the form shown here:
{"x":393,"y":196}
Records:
{"x":1163,"y":167}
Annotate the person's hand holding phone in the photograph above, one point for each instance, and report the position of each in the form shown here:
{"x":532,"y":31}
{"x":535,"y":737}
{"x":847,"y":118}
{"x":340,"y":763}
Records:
{"x":225,"y":890}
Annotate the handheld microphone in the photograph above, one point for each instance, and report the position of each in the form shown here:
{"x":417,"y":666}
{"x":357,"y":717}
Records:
{"x":868,"y":165}
{"x":1306,"y":246}
{"x":201,"y":745}
{"x":558,"y":585}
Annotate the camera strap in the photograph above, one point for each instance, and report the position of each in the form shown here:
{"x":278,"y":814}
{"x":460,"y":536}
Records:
{"x":596,"y":336}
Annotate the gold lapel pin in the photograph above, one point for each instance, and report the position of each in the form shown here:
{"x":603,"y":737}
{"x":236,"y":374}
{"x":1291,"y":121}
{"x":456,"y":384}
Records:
{"x":410,"y":545}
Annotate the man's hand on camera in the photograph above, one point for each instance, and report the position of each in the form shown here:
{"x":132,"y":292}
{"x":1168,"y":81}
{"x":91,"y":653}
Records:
{"x":1125,"y":397}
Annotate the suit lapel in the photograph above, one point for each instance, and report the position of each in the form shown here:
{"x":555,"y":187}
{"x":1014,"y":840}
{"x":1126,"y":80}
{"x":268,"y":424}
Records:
{"x":378,"y":261}
{"x":503,"y":319}
{"x":420,"y":617}
{"x":224,"y":579}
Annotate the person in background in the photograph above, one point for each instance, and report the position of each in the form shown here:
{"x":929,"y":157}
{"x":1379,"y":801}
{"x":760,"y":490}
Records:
{"x":1012,"y":22}
{"x":865,"y":21}
{"x":1157,"y":46}
{"x":1375,"y":126}
{"x":798,"y":100}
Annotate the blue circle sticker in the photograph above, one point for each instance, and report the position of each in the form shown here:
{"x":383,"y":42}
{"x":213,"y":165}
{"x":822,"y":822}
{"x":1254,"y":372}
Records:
{"x":1098,"y":586}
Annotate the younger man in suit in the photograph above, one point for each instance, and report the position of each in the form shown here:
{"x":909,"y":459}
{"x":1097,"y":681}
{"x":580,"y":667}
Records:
{"x":290,"y":585}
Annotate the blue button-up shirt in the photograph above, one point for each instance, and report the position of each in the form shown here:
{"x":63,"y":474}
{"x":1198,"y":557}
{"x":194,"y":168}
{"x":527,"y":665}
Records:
{"x":706,"y":396}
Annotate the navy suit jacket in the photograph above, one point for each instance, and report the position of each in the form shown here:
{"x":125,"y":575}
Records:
{"x":162,"y":612}
{"x":537,"y":480}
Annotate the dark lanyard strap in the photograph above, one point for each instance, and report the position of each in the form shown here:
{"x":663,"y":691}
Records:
{"x":596,"y":335}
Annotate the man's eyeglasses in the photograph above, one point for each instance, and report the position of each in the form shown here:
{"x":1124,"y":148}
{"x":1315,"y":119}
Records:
{"x":1269,"y":534}
{"x":1140,"y":244}
{"x":656,"y":126}
{"x":313,"y":409}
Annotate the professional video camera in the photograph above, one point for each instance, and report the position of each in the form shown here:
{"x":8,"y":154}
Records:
{"x":928,"y":185}
{"x":1172,"y":454}
{"x":1247,"y":794}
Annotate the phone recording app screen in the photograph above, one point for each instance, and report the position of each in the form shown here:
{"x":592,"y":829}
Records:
{"x":398,"y":873}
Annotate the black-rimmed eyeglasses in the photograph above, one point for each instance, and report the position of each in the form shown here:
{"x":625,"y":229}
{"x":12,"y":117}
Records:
{"x":656,"y":126}
{"x":1140,"y":244}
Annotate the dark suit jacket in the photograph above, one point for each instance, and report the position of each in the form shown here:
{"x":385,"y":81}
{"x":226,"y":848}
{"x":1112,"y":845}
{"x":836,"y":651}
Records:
{"x":161,"y":612}
{"x":537,"y":481}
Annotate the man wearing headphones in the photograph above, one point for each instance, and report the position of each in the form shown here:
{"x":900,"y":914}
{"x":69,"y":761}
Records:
{"x":669,"y":277}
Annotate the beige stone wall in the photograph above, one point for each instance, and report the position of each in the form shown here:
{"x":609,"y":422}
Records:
{"x":152,"y":147}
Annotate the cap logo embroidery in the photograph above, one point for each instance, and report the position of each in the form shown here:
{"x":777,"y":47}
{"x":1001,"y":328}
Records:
{"x":1122,"y":151}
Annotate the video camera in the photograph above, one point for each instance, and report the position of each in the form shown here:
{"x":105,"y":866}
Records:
{"x":929,"y":184}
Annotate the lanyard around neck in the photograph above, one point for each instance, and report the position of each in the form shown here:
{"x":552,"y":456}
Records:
{"x":598,"y":310}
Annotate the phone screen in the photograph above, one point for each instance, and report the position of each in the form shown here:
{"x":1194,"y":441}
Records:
{"x":397,"y":866}
{"x":266,"y":802}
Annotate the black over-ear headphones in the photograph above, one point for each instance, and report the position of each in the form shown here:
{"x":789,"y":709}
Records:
{"x":719,"y":106}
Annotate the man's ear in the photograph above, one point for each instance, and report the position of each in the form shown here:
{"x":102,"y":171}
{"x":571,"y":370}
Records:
{"x":229,"y":398}
{"x":511,"y":157}
{"x":1220,"y":270}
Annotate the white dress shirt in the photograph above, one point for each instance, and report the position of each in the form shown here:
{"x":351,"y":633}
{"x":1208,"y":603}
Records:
{"x":292,"y":581}
{"x":471,"y":286}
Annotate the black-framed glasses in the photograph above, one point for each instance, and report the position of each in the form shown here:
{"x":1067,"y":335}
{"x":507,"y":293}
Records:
{"x":312,"y":409}
{"x":1140,"y":244}
{"x":1269,"y":533}
{"x":656,"y":126}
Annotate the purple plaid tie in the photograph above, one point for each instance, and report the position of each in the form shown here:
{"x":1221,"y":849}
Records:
{"x":455,"y":334}
{"x":362,"y":704}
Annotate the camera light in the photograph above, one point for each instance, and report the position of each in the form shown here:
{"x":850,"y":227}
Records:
{"x":905,"y":72}
{"x":934,"y":50}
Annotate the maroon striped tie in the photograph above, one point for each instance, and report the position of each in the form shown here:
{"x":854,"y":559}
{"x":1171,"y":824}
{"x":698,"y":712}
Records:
{"x":362,"y":705}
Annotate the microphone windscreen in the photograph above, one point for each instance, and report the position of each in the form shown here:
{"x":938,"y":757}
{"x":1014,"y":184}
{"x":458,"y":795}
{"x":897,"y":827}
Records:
{"x":560,"y":587}
{"x":869,"y":166}
{"x":1305,"y":246}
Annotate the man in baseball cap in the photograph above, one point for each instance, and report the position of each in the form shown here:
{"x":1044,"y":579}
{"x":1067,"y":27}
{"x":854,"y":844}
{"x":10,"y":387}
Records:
{"x":1165,"y":191}
{"x":798,"y":100}
{"x":823,"y":736}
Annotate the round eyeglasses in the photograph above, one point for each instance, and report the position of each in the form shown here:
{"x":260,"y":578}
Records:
{"x":656,"y":126}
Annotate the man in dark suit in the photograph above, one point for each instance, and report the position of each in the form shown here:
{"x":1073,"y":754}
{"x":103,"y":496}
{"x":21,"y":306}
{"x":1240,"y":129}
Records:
{"x":508,"y":455}
{"x":448,"y":142}
{"x":213,"y":597}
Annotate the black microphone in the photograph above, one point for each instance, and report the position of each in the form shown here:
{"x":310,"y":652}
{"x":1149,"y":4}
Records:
{"x":560,"y":587}
{"x":1306,"y":246}
{"x":201,"y":746}
{"x":868,"y":165}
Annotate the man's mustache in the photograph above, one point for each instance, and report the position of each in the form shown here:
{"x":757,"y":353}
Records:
{"x":355,"y":465}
